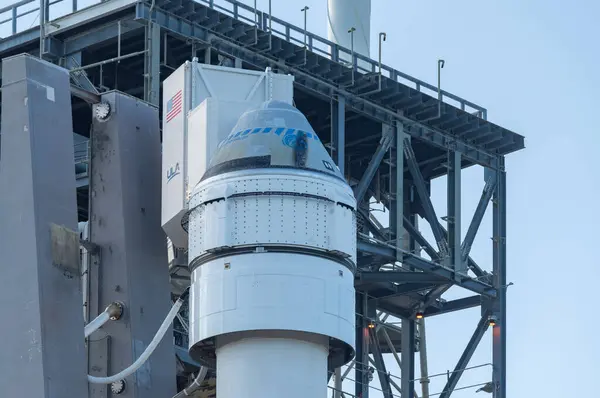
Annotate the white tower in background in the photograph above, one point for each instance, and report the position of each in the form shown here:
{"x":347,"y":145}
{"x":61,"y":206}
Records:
{"x":342,"y":15}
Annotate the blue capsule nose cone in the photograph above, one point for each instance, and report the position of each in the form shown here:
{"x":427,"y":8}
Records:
{"x":273,"y":134}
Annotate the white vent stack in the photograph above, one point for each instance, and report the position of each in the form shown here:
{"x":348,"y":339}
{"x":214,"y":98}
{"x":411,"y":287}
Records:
{"x":271,"y":231}
{"x":343,"y":15}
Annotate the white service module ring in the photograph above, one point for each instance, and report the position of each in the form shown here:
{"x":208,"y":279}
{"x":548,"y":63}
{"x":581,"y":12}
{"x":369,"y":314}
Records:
{"x":287,"y":293}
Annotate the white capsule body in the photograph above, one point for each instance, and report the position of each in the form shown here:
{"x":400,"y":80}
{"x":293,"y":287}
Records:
{"x":272,"y":253}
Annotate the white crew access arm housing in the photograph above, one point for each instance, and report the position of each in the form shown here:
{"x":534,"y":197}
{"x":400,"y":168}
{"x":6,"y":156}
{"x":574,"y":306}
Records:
{"x":201,"y":104}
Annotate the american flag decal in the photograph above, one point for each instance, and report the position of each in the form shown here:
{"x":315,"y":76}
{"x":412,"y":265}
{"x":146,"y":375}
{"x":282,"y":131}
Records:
{"x":174,"y":106}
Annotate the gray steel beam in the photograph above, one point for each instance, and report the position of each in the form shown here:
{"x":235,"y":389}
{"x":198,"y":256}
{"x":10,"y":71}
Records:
{"x":389,"y":253}
{"x":125,"y":224}
{"x":433,"y":296}
{"x":398,"y":223}
{"x":80,"y":77}
{"x":471,"y":264}
{"x":420,"y":239}
{"x":382,"y":373}
{"x":454,"y":213}
{"x":365,"y":181}
{"x":152,"y":63}
{"x":463,"y":362}
{"x":453,"y":305}
{"x":500,"y":282}
{"x":421,"y":188}
{"x":486,"y":195}
{"x":92,"y":37}
{"x":407,"y":370}
{"x":398,"y":277}
{"x":89,"y":97}
{"x":338,"y":131}
{"x":362,"y":348}
{"x":43,"y":348}
{"x":371,"y":226}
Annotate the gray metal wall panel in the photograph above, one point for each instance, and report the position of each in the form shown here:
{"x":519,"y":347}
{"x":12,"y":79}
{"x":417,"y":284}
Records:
{"x":40,"y":300}
{"x":125,"y":223}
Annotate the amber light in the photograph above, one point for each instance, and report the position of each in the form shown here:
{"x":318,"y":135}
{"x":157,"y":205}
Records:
{"x":419,"y":315}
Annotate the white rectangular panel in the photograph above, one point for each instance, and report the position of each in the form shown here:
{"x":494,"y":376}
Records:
{"x":173,"y":155}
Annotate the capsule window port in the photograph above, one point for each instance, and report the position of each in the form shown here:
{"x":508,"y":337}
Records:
{"x":341,"y":273}
{"x":227,"y":266}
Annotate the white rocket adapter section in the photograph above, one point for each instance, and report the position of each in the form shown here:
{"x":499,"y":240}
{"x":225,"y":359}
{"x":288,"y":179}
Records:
{"x":201,"y":104}
{"x":342,"y":16}
{"x":272,"y":250}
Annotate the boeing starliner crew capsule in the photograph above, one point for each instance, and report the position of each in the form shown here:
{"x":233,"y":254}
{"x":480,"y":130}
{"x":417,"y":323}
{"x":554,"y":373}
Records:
{"x":272,"y":249}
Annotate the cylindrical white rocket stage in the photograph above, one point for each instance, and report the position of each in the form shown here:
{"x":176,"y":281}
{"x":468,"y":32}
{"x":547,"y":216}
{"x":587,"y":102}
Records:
{"x":342,"y":15}
{"x":272,"y":249}
{"x":267,"y":366}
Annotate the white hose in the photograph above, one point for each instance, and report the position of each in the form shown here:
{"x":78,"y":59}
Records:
{"x":147,"y":352}
{"x":195,"y":385}
{"x":96,"y":323}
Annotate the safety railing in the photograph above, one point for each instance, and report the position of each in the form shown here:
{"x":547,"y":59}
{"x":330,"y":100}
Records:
{"x":277,"y":27}
{"x":314,"y":43}
{"x":13,"y":14}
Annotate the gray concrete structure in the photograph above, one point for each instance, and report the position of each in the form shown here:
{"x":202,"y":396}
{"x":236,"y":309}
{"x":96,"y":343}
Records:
{"x":42,"y":347}
{"x":133,"y":269}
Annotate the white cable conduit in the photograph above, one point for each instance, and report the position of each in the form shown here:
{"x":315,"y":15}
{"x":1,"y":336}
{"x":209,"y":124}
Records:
{"x":195,"y":385}
{"x":112,"y":313}
{"x":149,"y":350}
{"x":96,"y":323}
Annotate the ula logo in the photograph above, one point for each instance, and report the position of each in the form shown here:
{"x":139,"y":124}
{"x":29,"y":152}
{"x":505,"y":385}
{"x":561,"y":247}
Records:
{"x":172,"y":172}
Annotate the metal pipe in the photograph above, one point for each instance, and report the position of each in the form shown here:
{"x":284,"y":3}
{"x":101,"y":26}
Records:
{"x":423,"y":359}
{"x":305,"y":10}
{"x":255,"y":23}
{"x":42,"y":26}
{"x":119,"y":40}
{"x":441,"y":63}
{"x":338,"y":383}
{"x":382,"y":38}
{"x":349,"y":369}
{"x":87,"y":96}
{"x":112,"y":313}
{"x":108,"y":61}
{"x":270,"y":30}
{"x":195,"y":385}
{"x":352,"y":64}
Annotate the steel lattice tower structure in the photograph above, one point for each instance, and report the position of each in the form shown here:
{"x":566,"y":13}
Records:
{"x":388,"y":137}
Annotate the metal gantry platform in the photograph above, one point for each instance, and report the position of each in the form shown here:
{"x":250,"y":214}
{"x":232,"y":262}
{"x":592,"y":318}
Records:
{"x":375,"y":120}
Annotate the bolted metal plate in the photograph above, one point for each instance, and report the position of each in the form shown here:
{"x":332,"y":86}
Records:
{"x":65,"y":249}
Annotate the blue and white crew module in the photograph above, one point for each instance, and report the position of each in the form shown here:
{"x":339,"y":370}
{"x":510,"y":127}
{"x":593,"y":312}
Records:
{"x":272,"y":252}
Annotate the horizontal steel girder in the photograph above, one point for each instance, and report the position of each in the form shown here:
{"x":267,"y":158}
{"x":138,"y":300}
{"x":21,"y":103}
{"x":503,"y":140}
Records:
{"x":398,"y":277}
{"x":320,"y":86}
{"x":389,"y":254}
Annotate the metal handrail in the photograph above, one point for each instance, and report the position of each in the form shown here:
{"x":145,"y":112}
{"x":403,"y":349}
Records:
{"x":335,"y":50}
{"x":286,"y":30}
{"x":14,"y":11}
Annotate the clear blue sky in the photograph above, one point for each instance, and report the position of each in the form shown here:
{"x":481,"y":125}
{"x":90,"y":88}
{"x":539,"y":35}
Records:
{"x":533,"y":65}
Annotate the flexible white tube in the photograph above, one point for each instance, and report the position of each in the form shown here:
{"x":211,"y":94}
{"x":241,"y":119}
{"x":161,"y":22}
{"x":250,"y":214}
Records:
{"x":195,"y":385}
{"x":147,"y":352}
{"x":96,"y":323}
